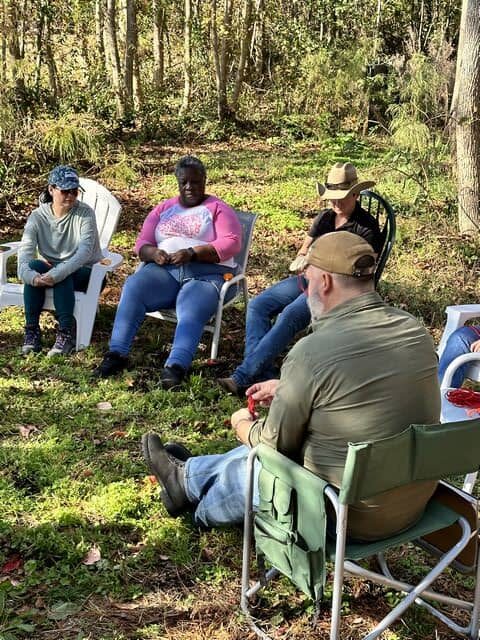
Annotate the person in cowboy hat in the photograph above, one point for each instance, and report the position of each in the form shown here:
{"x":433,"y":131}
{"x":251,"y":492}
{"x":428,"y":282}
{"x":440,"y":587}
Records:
{"x":286,"y":299}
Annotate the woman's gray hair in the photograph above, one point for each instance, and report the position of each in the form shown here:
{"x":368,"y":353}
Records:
{"x":190,"y":162}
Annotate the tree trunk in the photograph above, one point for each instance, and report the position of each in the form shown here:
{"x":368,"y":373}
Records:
{"x":112,"y":49}
{"x":39,"y":43}
{"x":99,"y":30}
{"x":14,"y":49}
{"x":246,"y":39}
{"x":159,"y":17}
{"x":3,"y":45}
{"x":220,"y":51}
{"x":187,"y":58}
{"x":130,"y":49}
{"x":468,"y":119}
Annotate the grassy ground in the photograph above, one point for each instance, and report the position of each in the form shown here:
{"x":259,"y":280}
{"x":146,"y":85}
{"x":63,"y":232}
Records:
{"x":72,"y":480}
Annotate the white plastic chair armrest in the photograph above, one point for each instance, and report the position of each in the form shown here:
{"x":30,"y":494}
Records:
{"x":454,"y":365}
{"x":457,"y":315}
{"x":228,"y":283}
{"x":99,"y":270}
{"x":8,"y":249}
{"x":11,"y":248}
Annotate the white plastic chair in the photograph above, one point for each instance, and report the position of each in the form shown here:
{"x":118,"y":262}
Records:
{"x":247,"y":221}
{"x":457,"y":316}
{"x":107,"y":211}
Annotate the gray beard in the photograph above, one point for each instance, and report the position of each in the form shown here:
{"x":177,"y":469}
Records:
{"x":316,"y":306}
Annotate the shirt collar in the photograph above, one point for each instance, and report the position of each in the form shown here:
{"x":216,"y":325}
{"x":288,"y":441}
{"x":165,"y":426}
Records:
{"x":359,"y":303}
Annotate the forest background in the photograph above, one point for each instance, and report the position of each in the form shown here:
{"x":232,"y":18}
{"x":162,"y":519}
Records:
{"x":269,"y":95}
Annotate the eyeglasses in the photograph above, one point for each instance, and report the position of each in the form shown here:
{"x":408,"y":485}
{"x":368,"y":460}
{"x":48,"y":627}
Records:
{"x":65,"y":192}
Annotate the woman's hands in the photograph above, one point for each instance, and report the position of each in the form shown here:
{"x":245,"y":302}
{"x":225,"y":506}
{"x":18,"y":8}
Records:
{"x":149,"y":253}
{"x":43,"y":280}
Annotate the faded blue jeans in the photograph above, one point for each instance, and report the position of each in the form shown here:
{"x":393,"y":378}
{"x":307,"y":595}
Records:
{"x":191,"y":289}
{"x":458,"y":343}
{"x":216,"y":485}
{"x":264,"y":341}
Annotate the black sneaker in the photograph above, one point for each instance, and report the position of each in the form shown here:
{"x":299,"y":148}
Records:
{"x":172,"y":376}
{"x":112,"y":363}
{"x":32,"y":342}
{"x":64,"y":343}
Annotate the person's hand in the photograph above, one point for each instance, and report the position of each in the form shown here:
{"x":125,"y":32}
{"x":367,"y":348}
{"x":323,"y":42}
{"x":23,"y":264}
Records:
{"x":298,"y":264}
{"x":180,"y":257}
{"x":43,"y":281}
{"x":241,"y":422}
{"x":161,"y":257}
{"x":475,"y":346}
{"x":263,"y":392}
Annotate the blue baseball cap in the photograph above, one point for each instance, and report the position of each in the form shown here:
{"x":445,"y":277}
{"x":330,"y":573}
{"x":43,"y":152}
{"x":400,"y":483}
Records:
{"x":64,"y":177}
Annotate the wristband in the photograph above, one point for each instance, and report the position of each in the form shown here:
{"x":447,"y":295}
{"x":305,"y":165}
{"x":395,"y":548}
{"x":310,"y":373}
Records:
{"x":192,"y":254}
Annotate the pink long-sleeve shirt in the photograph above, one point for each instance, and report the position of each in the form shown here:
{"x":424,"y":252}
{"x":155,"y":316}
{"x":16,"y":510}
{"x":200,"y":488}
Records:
{"x":171,"y":226}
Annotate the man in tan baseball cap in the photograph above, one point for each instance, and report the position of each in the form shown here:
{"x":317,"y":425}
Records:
{"x":366,"y":371}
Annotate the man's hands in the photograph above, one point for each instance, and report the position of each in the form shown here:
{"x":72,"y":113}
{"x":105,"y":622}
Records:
{"x":263,"y":392}
{"x":242,"y":420}
{"x":43,"y":281}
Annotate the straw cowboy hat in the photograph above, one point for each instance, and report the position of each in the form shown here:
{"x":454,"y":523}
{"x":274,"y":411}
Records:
{"x":342,"y":180}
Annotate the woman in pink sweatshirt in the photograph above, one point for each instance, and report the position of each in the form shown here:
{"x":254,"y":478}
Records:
{"x":188,"y":244}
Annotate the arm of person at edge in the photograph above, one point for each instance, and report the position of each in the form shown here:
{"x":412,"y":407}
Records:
{"x":284,"y":427}
{"x":226,"y":244}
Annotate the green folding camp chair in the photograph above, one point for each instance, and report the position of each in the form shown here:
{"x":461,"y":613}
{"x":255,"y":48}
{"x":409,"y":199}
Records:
{"x":289,"y":524}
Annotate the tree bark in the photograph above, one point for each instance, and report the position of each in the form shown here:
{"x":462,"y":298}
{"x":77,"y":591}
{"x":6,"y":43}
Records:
{"x":159,"y":18}
{"x":99,"y":30}
{"x":130,"y":50}
{"x":112,"y":49}
{"x":468,"y":119}
{"x":245,"y":42}
{"x":187,"y":58}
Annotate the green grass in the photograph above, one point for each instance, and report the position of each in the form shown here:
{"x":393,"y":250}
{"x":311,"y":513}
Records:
{"x":79,"y":481}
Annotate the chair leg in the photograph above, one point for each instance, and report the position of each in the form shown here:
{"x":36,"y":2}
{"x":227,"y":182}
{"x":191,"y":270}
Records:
{"x":469,"y":482}
{"x":216,"y":331}
{"x":339,"y":572}
{"x":85,"y":319}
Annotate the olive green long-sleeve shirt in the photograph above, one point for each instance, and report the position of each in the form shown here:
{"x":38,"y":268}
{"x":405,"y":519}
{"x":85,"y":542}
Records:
{"x":367,"y":371}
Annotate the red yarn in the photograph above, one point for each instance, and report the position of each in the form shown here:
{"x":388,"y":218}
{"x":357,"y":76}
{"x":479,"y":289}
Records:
{"x":464,"y":398}
{"x":251,"y":406}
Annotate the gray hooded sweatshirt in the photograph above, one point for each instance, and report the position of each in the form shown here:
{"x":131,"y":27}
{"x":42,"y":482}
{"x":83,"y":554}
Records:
{"x":67,"y":243}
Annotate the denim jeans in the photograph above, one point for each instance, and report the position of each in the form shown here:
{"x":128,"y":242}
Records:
{"x":216,"y":485}
{"x":191,"y":289}
{"x":264,"y":341}
{"x":63,"y":295}
{"x":458,"y":343}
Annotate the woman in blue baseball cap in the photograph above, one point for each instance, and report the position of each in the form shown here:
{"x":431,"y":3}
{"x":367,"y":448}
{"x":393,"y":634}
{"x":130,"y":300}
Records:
{"x":59,"y":246}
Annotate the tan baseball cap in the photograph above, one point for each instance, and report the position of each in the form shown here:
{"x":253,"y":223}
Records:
{"x":342,"y":252}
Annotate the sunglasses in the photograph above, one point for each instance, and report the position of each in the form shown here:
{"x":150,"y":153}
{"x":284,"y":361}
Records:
{"x":65,"y":192}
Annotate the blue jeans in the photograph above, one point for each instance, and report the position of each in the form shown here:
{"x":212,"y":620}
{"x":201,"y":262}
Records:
{"x":63,"y":295}
{"x":264,"y":341}
{"x":216,"y":485}
{"x":191,"y":289}
{"x":458,"y":343}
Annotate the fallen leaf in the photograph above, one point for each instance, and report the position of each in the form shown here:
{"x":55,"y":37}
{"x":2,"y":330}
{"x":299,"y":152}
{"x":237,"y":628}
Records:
{"x":357,"y":621}
{"x":12,"y":564}
{"x":27,"y":429}
{"x":86,"y":473}
{"x":104,"y":406}
{"x":118,"y":434}
{"x":62,"y":610}
{"x":164,"y":558}
{"x":151,"y":479}
{"x":92,"y":556}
